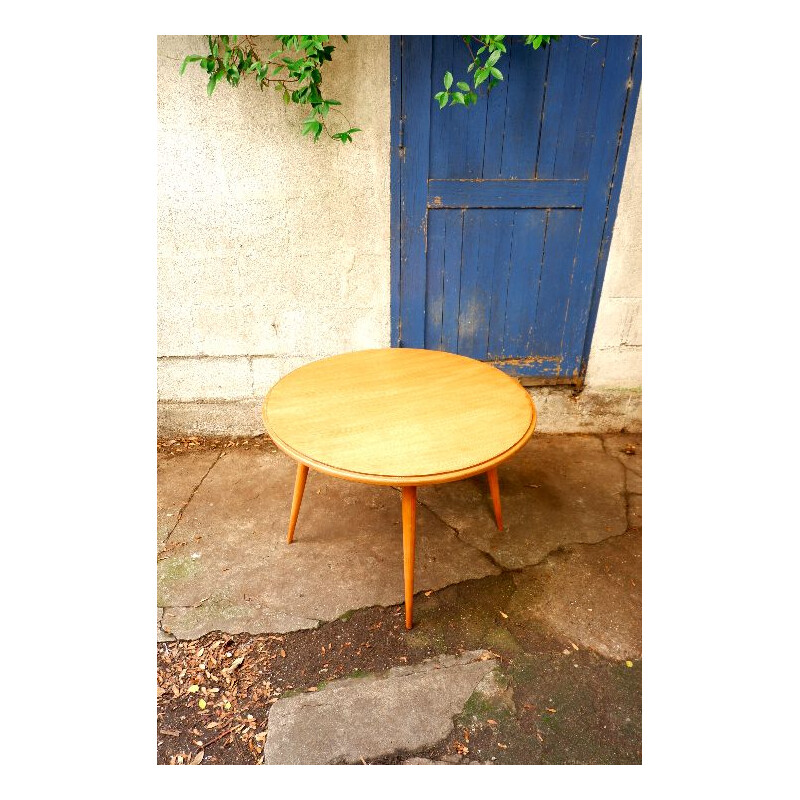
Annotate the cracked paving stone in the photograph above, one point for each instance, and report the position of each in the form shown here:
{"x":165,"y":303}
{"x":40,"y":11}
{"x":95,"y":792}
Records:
{"x":229,"y":567}
{"x":178,"y":477}
{"x":556,"y":490}
{"x":588,"y":594}
{"x":402,"y":710}
{"x":618,"y":445}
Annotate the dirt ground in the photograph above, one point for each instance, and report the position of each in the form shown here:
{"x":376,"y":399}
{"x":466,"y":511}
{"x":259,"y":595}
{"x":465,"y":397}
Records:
{"x":570,"y":705}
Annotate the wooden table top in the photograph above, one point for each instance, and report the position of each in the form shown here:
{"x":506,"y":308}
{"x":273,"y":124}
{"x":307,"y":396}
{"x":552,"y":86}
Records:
{"x":399,"y":416}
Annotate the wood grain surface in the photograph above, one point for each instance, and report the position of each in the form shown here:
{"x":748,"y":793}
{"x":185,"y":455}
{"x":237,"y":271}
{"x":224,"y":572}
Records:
{"x":399,"y":416}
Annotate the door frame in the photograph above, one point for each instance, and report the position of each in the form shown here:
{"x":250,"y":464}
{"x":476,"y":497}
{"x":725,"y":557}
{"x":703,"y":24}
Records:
{"x":395,"y":189}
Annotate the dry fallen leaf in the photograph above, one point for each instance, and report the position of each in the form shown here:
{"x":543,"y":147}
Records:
{"x":491,"y":722}
{"x":194,"y":688}
{"x":201,"y":703}
{"x":503,"y":615}
{"x":198,"y":758}
{"x":312,"y":689}
{"x":629,"y":663}
{"x":504,"y":746}
{"x":551,"y":710}
{"x":539,"y":736}
{"x":169,"y":732}
{"x":428,"y":594}
{"x":283,"y":653}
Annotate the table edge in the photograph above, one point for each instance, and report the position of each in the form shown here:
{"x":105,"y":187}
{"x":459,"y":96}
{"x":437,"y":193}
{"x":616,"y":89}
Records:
{"x":404,"y":480}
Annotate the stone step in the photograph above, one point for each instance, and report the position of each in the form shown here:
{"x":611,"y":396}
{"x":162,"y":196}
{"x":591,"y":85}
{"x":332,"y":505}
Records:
{"x":402,"y":710}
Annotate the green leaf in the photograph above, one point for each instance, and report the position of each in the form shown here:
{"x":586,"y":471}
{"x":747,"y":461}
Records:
{"x":189,"y":60}
{"x":286,"y":97}
{"x":473,"y":96}
{"x":345,"y":37}
{"x":537,"y":40}
{"x":481,"y":75}
{"x":492,"y":60}
{"x":496,"y":73}
{"x":212,"y":81}
{"x":458,"y":99}
{"x":443,"y":98}
{"x":448,"y":80}
{"x":463,"y":86}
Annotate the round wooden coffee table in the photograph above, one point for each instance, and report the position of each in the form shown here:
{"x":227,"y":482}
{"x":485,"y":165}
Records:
{"x":399,"y":417}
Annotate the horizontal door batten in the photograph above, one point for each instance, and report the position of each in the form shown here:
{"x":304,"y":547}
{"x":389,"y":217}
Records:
{"x":505,"y":194}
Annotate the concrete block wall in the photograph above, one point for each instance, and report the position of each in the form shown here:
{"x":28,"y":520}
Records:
{"x":273,"y":251}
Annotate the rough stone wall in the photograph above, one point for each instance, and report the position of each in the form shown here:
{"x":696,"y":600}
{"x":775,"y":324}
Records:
{"x":273,"y":251}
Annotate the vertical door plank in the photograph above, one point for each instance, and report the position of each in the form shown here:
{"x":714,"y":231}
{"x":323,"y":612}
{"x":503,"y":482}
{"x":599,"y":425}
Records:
{"x":587,"y":109}
{"x":554,"y":290}
{"x":573,"y":90}
{"x":480,"y":245}
{"x":434,"y":296}
{"x":453,"y":237}
{"x":496,"y":118}
{"x":457,"y":133}
{"x":524,"y":103}
{"x":499,"y":257}
{"x":523,"y":281}
{"x":416,"y":105}
{"x":553,"y":103}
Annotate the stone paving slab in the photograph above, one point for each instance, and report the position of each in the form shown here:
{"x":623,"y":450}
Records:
{"x":590,"y":594}
{"x":177,"y":479}
{"x":228,"y":566}
{"x":555,"y":491}
{"x":402,"y":710}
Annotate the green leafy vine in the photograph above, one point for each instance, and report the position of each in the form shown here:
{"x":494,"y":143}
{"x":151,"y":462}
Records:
{"x":295,"y":69}
{"x":482,"y":69}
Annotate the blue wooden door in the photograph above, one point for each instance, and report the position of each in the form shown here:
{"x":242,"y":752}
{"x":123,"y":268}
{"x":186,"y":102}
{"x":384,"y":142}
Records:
{"x":502,"y":212}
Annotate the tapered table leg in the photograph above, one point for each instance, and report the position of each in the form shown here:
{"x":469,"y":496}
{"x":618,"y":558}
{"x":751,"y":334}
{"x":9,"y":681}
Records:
{"x":299,"y":486}
{"x":409,"y":537}
{"x":494,"y":488}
